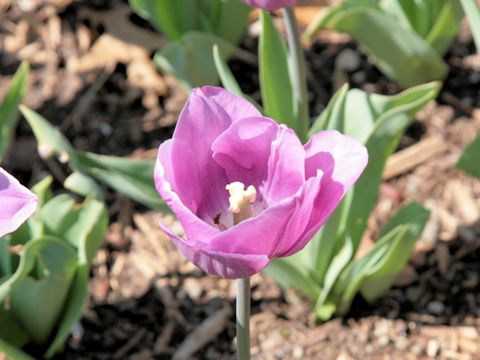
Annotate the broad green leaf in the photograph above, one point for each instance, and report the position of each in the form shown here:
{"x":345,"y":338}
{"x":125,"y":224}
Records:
{"x":43,"y":190}
{"x":172,"y":17}
{"x":332,"y":118}
{"x":190,"y":58}
{"x":73,"y":309}
{"x":9,"y":107}
{"x":446,"y":26}
{"x":13,"y":352}
{"x":380,"y":278}
{"x":382,"y":142}
{"x":352,"y":278}
{"x":48,"y":136}
{"x":132,"y":177}
{"x":289,"y":273}
{"x":11,"y":331}
{"x":275,"y":84}
{"x":472,"y":11}
{"x":400,"y":53}
{"x":37,"y":303}
{"x":5,"y":260}
{"x":470,"y":159}
{"x":231,"y":20}
{"x":84,"y":185}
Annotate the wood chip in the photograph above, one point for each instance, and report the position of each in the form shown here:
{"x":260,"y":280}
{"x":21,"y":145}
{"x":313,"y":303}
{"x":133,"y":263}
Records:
{"x":203,"y":334}
{"x":409,"y":158}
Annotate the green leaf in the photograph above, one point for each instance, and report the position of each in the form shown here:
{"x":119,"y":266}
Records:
{"x":290,"y":273}
{"x":12,"y":352}
{"x":172,"y":17}
{"x":132,"y":177}
{"x":380,"y":278}
{"x":9,"y":107}
{"x":352,"y":278}
{"x":332,"y":118}
{"x":228,"y":80}
{"x":401,"y":54}
{"x":73,"y":309}
{"x":190,"y":58}
{"x":472,"y":11}
{"x":37,"y":303}
{"x":275,"y":80}
{"x":231,"y":20}
{"x":5,"y":259}
{"x":389,"y":126}
{"x":469,"y":161}
{"x":84,"y":185}
{"x":43,"y":190}
{"x":11,"y":331}
{"x":49,"y":138}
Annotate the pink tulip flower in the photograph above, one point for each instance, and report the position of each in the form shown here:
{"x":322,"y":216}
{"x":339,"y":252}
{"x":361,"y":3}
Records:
{"x":17,"y":203}
{"x":244,"y":188}
{"x":270,"y":5}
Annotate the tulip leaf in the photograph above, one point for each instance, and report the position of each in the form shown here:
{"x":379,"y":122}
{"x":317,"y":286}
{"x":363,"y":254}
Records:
{"x":73,"y":309}
{"x":11,"y":331}
{"x":469,"y":161}
{"x":228,"y":80}
{"x":37,"y":299}
{"x":332,"y":118}
{"x":132,"y":177}
{"x":380,"y":278}
{"x":275,"y":83}
{"x":43,"y":190}
{"x":231,"y":20}
{"x":190,"y":58}
{"x":389,"y":127}
{"x":84,"y":185}
{"x":288,"y":273}
{"x":5,"y":259}
{"x":171,"y":17}
{"x":9,"y":107}
{"x":400,"y":53}
{"x":12,"y":352}
{"x":472,"y":11}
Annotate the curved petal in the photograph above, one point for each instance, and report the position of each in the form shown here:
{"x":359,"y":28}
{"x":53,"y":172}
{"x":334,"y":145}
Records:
{"x":165,"y":180}
{"x":243,"y":150}
{"x":214,"y":262}
{"x":259,"y":235}
{"x":17,"y":203}
{"x":339,"y":156}
{"x":235,"y":106}
{"x":202,"y":120}
{"x":286,"y":166}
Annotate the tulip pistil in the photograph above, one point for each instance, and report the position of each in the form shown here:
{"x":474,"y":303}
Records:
{"x":241,"y":200}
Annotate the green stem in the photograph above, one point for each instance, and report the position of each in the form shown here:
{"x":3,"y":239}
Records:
{"x":299,"y":77}
{"x":243,"y":319}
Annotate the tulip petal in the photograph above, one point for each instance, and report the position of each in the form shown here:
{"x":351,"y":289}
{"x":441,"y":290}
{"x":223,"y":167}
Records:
{"x":234,"y":106}
{"x":166,"y":181}
{"x":286,"y":166}
{"x":201,"y":122}
{"x":17,"y":203}
{"x":215,"y":262}
{"x":339,"y":156}
{"x":243,"y":150}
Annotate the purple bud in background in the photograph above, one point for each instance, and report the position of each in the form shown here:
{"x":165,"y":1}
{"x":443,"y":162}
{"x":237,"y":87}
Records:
{"x":244,"y":188}
{"x":270,"y":5}
{"x":17,"y":203}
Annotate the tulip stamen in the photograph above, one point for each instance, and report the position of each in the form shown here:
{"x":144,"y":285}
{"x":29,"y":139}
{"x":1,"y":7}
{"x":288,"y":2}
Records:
{"x":241,"y":201}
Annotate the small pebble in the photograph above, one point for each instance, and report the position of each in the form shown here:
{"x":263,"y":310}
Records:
{"x":432,"y":348}
{"x":347,"y":60}
{"x":435,"y":307}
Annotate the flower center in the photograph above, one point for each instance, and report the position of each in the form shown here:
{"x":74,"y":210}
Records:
{"x":241,"y":200}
